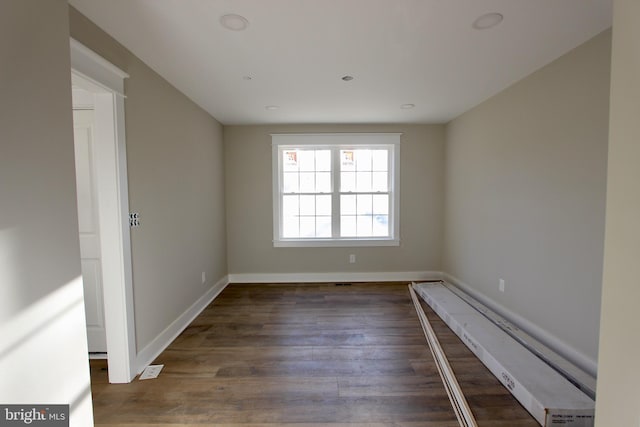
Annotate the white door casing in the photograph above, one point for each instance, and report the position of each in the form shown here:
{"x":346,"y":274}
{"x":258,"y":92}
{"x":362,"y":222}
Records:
{"x":91,"y":72}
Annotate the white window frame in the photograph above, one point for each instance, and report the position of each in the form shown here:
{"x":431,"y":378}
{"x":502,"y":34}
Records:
{"x":338,"y":141}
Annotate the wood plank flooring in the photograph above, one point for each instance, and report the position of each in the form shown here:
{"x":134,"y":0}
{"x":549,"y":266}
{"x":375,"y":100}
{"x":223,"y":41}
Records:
{"x":306,"y":355}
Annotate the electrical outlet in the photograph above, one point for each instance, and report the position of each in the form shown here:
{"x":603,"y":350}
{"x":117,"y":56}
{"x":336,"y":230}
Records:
{"x":204,"y":277}
{"x":501,"y":285}
{"x":134,"y":219}
{"x":352,"y":259}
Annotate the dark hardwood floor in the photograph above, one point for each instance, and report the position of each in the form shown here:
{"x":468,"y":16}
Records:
{"x":306,"y":355}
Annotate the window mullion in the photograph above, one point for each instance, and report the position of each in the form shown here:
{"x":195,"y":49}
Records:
{"x":335,"y":192}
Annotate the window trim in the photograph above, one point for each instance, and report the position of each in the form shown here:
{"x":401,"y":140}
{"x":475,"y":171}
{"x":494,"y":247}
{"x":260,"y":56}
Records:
{"x":333,"y":140}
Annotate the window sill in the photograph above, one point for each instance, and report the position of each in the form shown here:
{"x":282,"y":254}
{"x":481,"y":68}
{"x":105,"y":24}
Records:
{"x":313,"y":243}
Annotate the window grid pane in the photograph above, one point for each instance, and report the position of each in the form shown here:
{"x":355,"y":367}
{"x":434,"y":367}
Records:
{"x":323,"y":226}
{"x":323,"y":206}
{"x":380,"y":225}
{"x":380,"y":181}
{"x":363,"y":160}
{"x":380,"y":204}
{"x":365,"y":224}
{"x":380,"y":160}
{"x":348,"y":226}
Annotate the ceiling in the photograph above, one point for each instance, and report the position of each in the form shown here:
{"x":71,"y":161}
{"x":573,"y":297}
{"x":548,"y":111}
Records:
{"x":294,"y":53}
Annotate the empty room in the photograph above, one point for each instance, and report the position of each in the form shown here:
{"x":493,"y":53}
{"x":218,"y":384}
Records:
{"x":319,"y":213}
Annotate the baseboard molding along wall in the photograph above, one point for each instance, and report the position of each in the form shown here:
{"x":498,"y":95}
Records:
{"x":553,"y":342}
{"x":393,"y":276}
{"x":166,"y":337}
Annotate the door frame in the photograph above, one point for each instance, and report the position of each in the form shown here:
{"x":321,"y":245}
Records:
{"x":106,"y":82}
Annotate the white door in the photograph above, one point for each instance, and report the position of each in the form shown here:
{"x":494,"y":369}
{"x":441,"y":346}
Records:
{"x":89,"y":231}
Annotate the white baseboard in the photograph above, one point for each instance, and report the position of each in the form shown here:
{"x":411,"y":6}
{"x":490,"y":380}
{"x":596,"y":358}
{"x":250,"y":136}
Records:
{"x":578,"y":358}
{"x":399,"y":276}
{"x":98,"y":356}
{"x":166,"y":337}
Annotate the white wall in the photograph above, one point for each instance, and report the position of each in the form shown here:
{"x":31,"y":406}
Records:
{"x":618,"y":373}
{"x":525,"y":197}
{"x":175,"y":163}
{"x":250,"y":211}
{"x":43,"y":349}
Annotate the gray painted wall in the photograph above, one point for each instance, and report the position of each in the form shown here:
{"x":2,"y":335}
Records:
{"x":250,"y":210}
{"x":176,"y":182}
{"x":618,"y":373}
{"x":43,"y":349}
{"x":525,"y":195}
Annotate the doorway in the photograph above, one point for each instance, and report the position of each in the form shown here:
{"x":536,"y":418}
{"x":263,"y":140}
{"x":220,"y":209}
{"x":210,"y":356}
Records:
{"x":104,"y":84}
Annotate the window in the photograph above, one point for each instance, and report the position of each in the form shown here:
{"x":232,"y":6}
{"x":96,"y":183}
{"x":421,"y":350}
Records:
{"x":336,"y":189}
